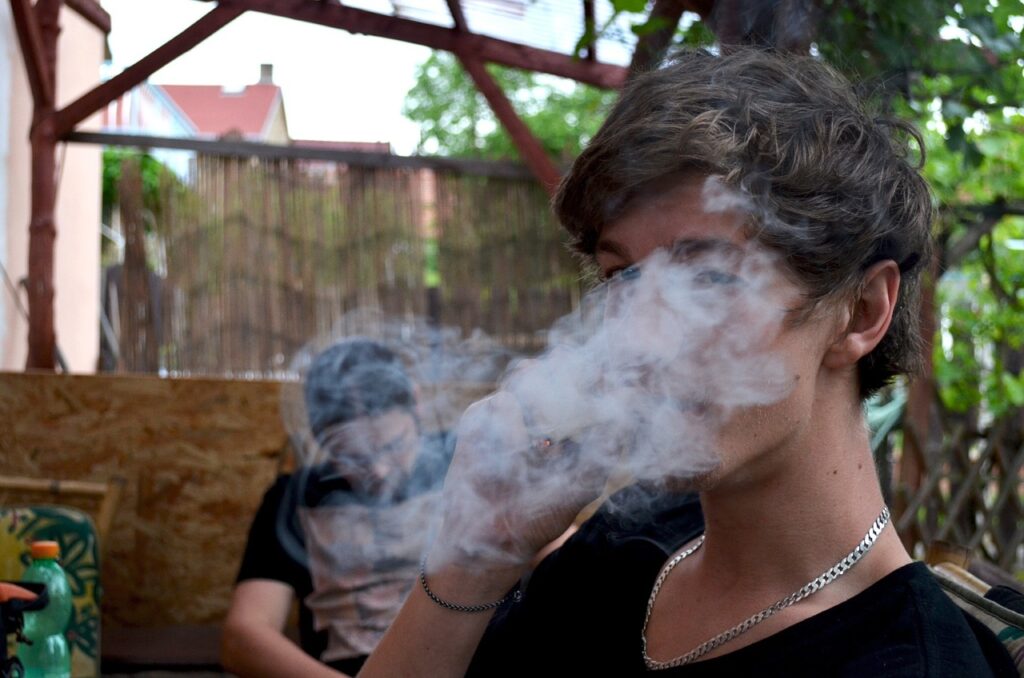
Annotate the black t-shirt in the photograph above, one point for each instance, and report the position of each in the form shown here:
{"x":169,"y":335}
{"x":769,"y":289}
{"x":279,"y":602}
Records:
{"x":583,"y":608}
{"x":276,"y":548}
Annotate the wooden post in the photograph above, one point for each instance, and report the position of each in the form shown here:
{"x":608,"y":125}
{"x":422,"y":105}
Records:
{"x":42,"y":339}
{"x":920,"y":397}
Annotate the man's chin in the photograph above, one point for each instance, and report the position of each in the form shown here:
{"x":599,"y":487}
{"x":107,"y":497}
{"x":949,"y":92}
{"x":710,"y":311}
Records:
{"x":699,"y":482}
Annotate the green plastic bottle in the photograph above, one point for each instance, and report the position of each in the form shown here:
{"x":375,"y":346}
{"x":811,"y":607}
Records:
{"x":48,"y":656}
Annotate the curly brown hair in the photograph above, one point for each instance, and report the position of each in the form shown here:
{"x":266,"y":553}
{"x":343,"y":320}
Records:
{"x":834,"y":187}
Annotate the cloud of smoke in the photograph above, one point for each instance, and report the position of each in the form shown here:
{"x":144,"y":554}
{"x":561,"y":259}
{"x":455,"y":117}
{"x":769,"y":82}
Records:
{"x":636,"y":384}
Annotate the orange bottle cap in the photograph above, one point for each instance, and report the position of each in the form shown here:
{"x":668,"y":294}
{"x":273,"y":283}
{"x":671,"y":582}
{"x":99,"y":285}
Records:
{"x":43,"y":550}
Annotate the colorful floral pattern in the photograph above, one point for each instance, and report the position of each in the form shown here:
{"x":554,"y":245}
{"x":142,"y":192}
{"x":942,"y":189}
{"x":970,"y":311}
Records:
{"x":76,"y":534}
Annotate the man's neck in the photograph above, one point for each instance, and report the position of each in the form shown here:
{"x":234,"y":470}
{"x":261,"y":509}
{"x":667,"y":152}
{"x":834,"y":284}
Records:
{"x":804,"y":511}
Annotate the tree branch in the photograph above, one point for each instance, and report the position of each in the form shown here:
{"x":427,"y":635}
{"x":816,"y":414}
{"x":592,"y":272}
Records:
{"x":990,"y":214}
{"x":988,"y":260}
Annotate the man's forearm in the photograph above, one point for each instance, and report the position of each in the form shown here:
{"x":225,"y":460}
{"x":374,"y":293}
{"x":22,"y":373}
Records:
{"x":255,"y":651}
{"x":429,"y":640}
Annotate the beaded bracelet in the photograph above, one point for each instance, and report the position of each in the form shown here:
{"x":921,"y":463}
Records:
{"x":514,"y":595}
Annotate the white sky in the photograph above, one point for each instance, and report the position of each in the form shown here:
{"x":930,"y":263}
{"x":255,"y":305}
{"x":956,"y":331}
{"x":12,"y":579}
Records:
{"x":337,"y":86}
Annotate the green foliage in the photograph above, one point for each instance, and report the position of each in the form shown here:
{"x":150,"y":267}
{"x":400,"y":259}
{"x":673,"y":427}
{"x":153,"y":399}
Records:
{"x":958,"y":72}
{"x":155,"y":177}
{"x":455,"y":119}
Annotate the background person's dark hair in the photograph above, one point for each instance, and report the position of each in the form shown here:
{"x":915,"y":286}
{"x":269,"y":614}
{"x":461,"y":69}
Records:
{"x":833,"y":186}
{"x":352,"y":379}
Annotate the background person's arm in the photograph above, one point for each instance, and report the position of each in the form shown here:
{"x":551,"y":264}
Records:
{"x":254,"y":644}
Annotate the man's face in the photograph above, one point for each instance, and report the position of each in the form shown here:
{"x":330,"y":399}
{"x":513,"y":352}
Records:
{"x":376,"y":454}
{"x":688,"y":282}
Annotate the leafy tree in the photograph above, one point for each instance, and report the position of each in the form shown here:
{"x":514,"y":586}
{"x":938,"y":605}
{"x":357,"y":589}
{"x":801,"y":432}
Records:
{"x":455,"y":119}
{"x":154,"y":177}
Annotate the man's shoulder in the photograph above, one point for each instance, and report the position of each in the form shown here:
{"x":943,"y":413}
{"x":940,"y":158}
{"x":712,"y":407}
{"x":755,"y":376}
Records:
{"x":927,"y":634}
{"x":954,"y":641}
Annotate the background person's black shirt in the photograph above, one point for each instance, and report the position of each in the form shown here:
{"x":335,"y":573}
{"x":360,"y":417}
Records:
{"x":583,"y":610}
{"x":276,"y":548}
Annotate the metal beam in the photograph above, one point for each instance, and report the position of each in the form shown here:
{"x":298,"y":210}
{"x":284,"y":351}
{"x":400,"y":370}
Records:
{"x":530,"y":150}
{"x":437,"y":37}
{"x":248,"y":149}
{"x":101,"y":95}
{"x":26,"y":24}
{"x":91,"y":11}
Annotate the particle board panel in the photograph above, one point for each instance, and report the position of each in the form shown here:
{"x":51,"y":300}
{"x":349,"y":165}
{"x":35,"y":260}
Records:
{"x":197,"y":455}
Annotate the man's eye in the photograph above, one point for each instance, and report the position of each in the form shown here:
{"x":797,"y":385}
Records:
{"x":712,"y":276}
{"x":625,"y":274}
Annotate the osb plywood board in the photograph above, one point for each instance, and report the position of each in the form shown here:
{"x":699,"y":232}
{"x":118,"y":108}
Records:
{"x":197,"y":455}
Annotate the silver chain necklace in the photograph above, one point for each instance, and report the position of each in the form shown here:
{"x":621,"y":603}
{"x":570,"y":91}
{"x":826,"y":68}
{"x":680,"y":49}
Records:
{"x":808,"y":589}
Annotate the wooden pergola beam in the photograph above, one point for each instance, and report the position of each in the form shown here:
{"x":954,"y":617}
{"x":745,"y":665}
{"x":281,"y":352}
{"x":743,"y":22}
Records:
{"x":42,"y":227}
{"x":91,"y":11}
{"x":253,"y":149}
{"x":650,"y":48}
{"x":455,"y":7}
{"x":101,"y":95}
{"x":26,"y":24}
{"x":590,"y":28}
{"x":530,"y":150}
{"x":481,"y":47}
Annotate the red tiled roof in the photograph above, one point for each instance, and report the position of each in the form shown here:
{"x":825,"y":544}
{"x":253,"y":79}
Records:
{"x":215,"y":112}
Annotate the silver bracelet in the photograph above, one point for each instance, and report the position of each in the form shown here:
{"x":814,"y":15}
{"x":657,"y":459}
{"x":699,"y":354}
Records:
{"x":515,"y":595}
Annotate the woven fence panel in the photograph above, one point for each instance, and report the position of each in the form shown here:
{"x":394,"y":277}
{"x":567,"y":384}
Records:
{"x":263,"y":256}
{"x":504,"y":265}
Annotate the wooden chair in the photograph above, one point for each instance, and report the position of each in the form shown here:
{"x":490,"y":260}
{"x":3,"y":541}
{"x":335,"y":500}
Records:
{"x":107,"y":495}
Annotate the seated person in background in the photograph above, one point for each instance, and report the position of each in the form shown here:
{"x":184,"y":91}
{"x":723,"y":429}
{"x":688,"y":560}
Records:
{"x":343,"y":535}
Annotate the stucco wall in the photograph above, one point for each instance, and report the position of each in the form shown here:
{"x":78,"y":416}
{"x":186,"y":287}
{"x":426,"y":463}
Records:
{"x":77,"y":256}
{"x":277,"y":128}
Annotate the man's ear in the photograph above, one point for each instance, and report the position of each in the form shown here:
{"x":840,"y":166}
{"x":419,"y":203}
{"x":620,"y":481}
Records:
{"x":870,"y":315}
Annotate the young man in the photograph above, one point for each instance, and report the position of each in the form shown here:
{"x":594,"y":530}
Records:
{"x":311,"y":538}
{"x":788,"y":564}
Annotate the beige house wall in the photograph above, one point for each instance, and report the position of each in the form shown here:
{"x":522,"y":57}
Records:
{"x":277,"y":128}
{"x":79,"y":195}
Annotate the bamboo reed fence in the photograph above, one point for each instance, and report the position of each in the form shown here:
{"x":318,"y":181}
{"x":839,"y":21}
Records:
{"x":263,"y":255}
